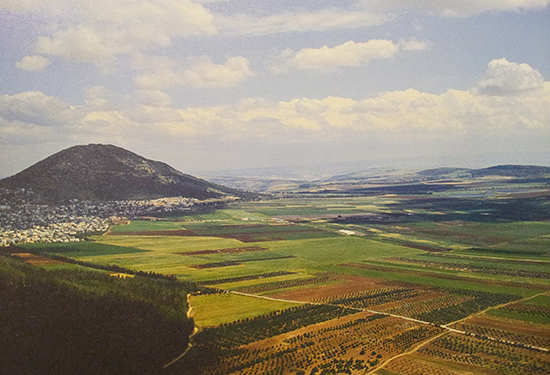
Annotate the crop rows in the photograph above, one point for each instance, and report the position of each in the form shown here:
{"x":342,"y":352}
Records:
{"x":353,"y":346}
{"x":517,"y":253}
{"x":499,"y":334}
{"x":497,"y":356}
{"x":372,"y":298}
{"x":479,"y":302}
{"x":542,"y":311}
{"x":352,"y":295}
{"x":290,"y":284}
{"x":408,"y":366}
{"x":410,"y":337}
{"x":249,"y":330}
{"x":245,"y":278}
{"x":477,"y":269}
{"x":416,"y":309}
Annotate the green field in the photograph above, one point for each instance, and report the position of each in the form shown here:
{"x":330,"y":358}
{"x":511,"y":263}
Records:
{"x":207,"y":311}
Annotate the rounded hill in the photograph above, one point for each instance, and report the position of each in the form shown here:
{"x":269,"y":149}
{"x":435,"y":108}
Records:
{"x":100,"y":172}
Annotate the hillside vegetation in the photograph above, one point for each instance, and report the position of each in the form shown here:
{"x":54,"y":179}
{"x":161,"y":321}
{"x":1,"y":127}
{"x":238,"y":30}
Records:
{"x":83,"y":322}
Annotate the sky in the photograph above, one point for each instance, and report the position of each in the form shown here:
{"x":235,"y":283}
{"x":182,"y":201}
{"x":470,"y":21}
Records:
{"x":218,"y":85}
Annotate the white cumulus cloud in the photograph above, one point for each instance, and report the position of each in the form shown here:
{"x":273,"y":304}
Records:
{"x":508,"y":78}
{"x":33,"y":63}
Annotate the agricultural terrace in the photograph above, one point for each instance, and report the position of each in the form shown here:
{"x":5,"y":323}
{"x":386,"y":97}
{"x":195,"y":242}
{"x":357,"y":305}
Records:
{"x":372,"y":284}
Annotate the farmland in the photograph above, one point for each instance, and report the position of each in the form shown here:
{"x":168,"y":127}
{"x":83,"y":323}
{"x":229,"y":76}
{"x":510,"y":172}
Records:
{"x":379,"y":283}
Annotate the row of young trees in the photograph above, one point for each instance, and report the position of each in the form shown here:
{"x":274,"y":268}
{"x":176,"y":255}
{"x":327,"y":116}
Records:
{"x":246,"y":277}
{"x":476,"y":268}
{"x":258,"y":328}
{"x":479,"y":301}
{"x":505,"y":358}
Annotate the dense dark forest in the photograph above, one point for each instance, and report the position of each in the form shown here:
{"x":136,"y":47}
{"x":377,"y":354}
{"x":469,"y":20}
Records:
{"x":87,"y":322}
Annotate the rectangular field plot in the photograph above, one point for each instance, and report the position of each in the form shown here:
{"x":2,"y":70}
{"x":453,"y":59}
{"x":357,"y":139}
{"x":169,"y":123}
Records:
{"x":274,"y":288}
{"x":525,"y":312}
{"x":206,"y":309}
{"x":321,"y":292}
{"x":503,"y":329}
{"x":340,"y":249}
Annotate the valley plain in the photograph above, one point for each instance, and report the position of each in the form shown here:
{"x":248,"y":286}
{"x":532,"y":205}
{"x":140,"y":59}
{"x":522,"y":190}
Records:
{"x":441,"y":276}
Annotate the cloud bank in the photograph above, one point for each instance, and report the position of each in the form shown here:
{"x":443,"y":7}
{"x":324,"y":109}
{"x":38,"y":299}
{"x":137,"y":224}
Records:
{"x":509,"y":98}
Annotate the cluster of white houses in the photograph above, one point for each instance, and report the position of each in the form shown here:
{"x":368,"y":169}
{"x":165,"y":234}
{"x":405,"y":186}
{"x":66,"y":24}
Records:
{"x":32,"y":223}
{"x":58,"y":232}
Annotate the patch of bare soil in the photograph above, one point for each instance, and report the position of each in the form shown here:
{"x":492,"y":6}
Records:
{"x":37,"y":260}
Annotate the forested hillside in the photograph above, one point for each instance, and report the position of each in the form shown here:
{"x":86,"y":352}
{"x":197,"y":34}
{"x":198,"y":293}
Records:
{"x":85,"y":322}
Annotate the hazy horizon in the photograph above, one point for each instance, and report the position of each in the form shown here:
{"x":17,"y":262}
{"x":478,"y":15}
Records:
{"x":217,"y":85}
{"x":321,"y":170}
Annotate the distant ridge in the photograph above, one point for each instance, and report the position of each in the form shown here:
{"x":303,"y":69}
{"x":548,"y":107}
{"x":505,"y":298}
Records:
{"x":100,"y":172}
{"x":498,"y":170}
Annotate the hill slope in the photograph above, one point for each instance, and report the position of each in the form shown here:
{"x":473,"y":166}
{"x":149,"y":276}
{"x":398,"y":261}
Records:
{"x":105,"y":172}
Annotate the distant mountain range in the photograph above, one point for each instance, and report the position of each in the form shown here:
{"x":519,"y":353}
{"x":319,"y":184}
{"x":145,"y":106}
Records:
{"x":105,"y":172}
{"x":498,"y":170}
{"x":379,"y":175}
{"x":99,"y":172}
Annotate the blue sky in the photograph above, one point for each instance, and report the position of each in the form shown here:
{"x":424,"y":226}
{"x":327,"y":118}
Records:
{"x":212,"y":85}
